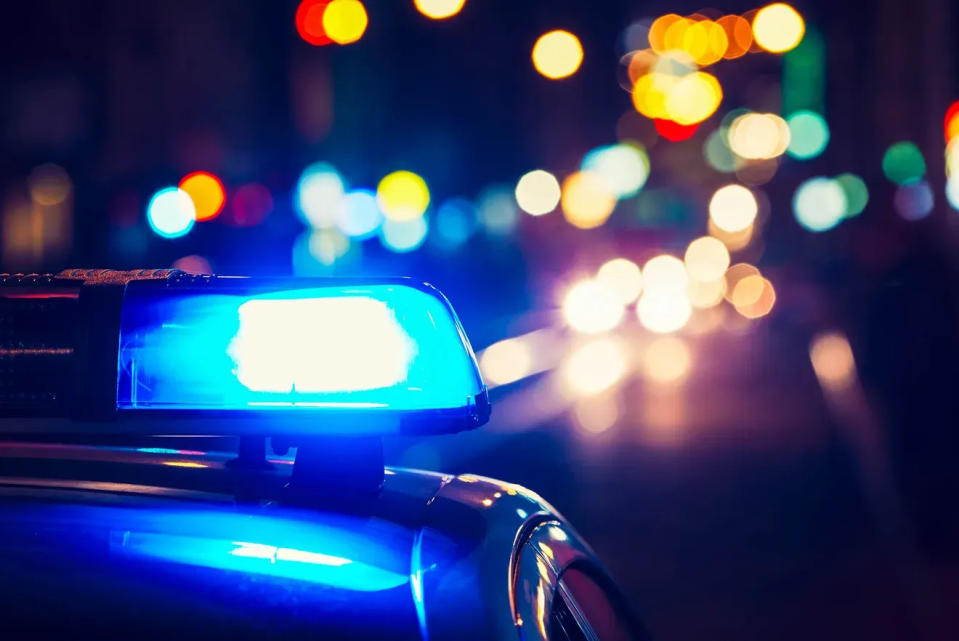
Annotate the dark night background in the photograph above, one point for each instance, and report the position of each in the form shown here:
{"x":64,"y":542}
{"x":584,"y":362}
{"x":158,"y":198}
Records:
{"x":749,"y":502}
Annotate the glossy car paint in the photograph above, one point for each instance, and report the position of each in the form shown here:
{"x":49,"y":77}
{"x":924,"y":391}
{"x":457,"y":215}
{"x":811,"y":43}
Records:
{"x":164,"y":542}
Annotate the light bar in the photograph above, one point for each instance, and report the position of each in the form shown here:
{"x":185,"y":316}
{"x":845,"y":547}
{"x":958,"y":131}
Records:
{"x":202,"y":354}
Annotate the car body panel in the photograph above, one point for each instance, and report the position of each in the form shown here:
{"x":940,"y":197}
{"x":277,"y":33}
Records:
{"x":95,"y":537}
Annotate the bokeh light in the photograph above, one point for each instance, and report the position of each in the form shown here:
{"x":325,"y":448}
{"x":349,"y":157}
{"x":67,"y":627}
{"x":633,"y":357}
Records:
{"x":753,"y":296}
{"x":171,"y":213}
{"x":557,"y":54}
{"x":667,"y":359}
{"x":832,"y":360}
{"x":733,"y":240}
{"x":758,"y":136}
{"x":808,"y":134}
{"x":706,"y":259}
{"x":319,"y":195}
{"x":49,"y":185}
{"x":903,"y":163}
{"x":403,"y":235}
{"x":207,"y":193}
{"x":778,"y":27}
{"x":496,"y":210}
{"x":693,"y":98}
{"x":596,"y":414}
{"x":454,"y":223}
{"x":506,"y":361}
{"x":706,"y":294}
{"x":592,"y":306}
{"x":665,"y":273}
{"x":622,"y":276}
{"x":914,"y":201}
{"x":734,"y":275}
{"x":856,"y":192}
{"x":739,"y":36}
{"x":402,"y":196}
{"x":624,"y":167}
{"x":733,"y":208}
{"x":193,"y":264}
{"x":309,"y":22}
{"x":537,"y":192}
{"x":594,"y":366}
{"x":819,"y":204}
{"x":951,"y":122}
{"x":718,"y":154}
{"x":360,"y":216}
{"x":673,"y":131}
{"x":586,"y":200}
{"x":663,"y":311}
{"x":250,"y":205}
{"x":439,"y":9}
{"x":326,"y":246}
{"x":345,"y":21}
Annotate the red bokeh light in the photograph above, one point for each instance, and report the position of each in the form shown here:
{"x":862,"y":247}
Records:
{"x":309,"y":22}
{"x":951,"y":121}
{"x":673,"y":131}
{"x":251,"y":203}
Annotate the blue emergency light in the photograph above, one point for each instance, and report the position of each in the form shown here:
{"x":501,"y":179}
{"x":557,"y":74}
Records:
{"x":230,"y":355}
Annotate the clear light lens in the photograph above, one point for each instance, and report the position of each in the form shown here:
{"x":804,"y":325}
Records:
{"x":243,"y":344}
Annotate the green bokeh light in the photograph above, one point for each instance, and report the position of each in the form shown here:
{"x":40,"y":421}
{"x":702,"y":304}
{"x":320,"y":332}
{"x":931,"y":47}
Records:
{"x":903,"y":163}
{"x":808,"y":134}
{"x":857,"y":194}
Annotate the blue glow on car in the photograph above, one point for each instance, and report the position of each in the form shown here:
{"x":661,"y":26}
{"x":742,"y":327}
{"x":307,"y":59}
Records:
{"x":370,"y":347}
{"x":344,"y":552}
{"x":258,"y":558}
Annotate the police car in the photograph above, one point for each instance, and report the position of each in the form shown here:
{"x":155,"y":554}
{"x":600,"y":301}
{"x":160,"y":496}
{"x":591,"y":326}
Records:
{"x":197,"y":456}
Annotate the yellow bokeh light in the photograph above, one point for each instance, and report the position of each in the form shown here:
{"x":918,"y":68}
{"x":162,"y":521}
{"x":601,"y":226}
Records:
{"x":651,"y":92}
{"x":706,"y":42}
{"x":706,"y":294}
{"x":734,"y":240}
{"x":587,"y":201}
{"x":759,"y":136}
{"x":693,"y":98}
{"x":345,"y":21}
{"x":733,"y":208}
{"x":832,"y":360}
{"x":402,"y":195}
{"x":591,"y":307}
{"x":665,"y":273}
{"x":778,"y":27}
{"x":439,"y":9}
{"x":746,"y":289}
{"x":506,"y":361}
{"x":207,"y":194}
{"x":597,"y":414}
{"x":667,"y":360}
{"x":623,"y":276}
{"x":675,"y":36}
{"x":557,"y":54}
{"x":594,"y":367}
{"x":658,"y":30}
{"x":537,"y":192}
{"x":706,"y":259}
{"x":663,"y":311}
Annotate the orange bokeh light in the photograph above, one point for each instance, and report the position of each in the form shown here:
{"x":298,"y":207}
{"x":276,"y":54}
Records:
{"x":309,"y":22}
{"x":739,"y":35}
{"x":207,"y":193}
{"x":951,"y":122}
